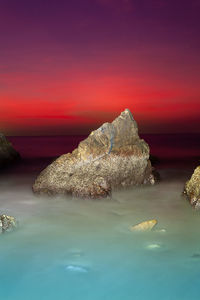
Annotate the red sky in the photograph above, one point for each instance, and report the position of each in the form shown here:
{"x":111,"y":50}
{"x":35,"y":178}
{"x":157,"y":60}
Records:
{"x":67,"y":67}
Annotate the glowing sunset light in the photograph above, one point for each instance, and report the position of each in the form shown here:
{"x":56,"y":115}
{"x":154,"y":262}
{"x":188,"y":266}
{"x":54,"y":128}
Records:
{"x":68,"y":68}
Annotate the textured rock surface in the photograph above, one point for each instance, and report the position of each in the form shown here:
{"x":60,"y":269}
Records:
{"x":144,"y":226}
{"x":111,"y":156}
{"x":7,"y":223}
{"x":192,"y":189}
{"x":7,"y":152}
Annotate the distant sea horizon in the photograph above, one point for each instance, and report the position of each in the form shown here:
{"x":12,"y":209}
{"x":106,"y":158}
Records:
{"x":183,"y":144}
{"x":166,"y":150}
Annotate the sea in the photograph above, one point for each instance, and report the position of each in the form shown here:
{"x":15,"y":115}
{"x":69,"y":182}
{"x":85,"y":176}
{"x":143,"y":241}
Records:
{"x":80,"y":249}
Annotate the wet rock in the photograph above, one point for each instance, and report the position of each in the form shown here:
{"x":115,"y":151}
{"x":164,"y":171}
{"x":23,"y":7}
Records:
{"x":77,"y":268}
{"x":144,"y":226}
{"x":7,"y":223}
{"x":153,"y":246}
{"x":112,"y":156}
{"x":7,"y":153}
{"x":161,"y":230}
{"x":192,"y":189}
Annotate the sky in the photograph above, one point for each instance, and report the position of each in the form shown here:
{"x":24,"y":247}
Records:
{"x":67,"y":66}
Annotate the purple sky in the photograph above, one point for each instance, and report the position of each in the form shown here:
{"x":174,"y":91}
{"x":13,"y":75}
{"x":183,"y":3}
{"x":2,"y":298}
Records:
{"x":68,"y":66}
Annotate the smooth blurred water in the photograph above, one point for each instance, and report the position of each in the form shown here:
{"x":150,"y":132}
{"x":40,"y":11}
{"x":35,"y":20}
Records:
{"x":82,"y":249}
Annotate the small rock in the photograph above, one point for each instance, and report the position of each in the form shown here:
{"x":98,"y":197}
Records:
{"x":7,"y":223}
{"x":153,"y":246}
{"x":192,"y":189}
{"x":75,"y":268}
{"x":144,"y":226}
{"x":1,"y":227}
{"x":161,"y":230}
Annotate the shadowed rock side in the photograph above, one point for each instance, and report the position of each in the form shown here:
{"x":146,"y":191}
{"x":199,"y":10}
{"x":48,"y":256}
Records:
{"x":7,"y":152}
{"x":111,"y":156}
{"x":192,"y":189}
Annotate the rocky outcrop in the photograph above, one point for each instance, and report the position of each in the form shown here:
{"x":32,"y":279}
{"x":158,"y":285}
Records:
{"x":144,"y":226}
{"x":192,"y":189}
{"x":111,"y":156}
{"x":7,"y":223}
{"x":7,"y":153}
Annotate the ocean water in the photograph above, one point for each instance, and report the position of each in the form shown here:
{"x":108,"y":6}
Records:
{"x":69,"y":248}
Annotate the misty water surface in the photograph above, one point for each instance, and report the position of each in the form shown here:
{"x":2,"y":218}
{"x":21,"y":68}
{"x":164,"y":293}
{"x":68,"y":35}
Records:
{"x":82,"y":249}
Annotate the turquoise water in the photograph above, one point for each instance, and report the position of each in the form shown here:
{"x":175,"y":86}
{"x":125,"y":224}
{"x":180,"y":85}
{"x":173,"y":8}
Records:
{"x":80,"y":249}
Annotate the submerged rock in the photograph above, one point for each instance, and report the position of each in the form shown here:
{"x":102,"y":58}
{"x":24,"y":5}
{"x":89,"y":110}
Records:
{"x":111,"y":156}
{"x":161,"y":230}
{"x":153,"y":246}
{"x":144,"y":226}
{"x":7,"y":223}
{"x":7,"y":153}
{"x":192,"y":189}
{"x":76,"y":268}
{"x":196,"y":255}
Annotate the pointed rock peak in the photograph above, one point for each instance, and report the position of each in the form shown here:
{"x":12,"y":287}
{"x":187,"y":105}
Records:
{"x":126,"y":125}
{"x":126,"y":116}
{"x":127,"y":113}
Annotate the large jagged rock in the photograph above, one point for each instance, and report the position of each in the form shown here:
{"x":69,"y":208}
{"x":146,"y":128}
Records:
{"x":7,"y":153}
{"x":111,"y":156}
{"x":192,"y":189}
